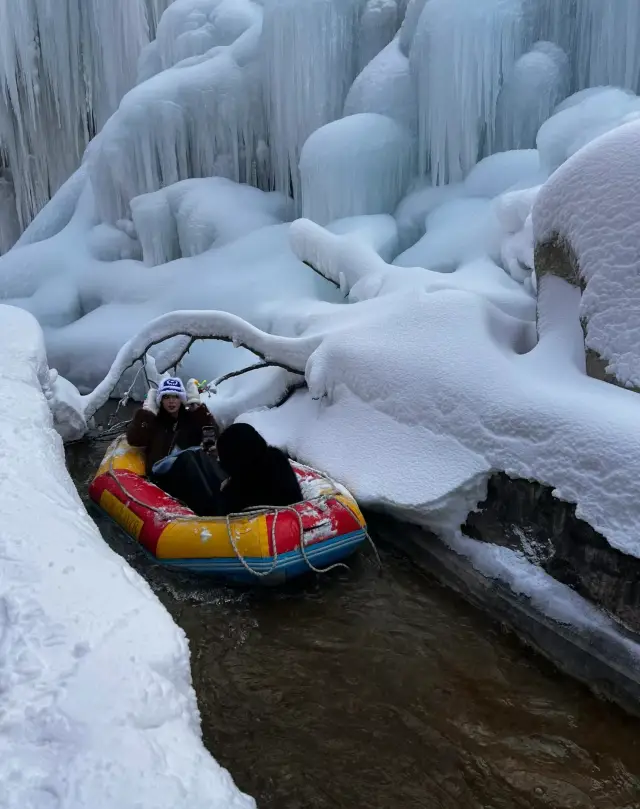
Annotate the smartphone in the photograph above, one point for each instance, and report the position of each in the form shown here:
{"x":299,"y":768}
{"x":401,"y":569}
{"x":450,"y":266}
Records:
{"x":209,"y":438}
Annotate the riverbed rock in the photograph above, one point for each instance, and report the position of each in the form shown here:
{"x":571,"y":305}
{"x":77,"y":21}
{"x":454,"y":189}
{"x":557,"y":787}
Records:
{"x":525,"y":516}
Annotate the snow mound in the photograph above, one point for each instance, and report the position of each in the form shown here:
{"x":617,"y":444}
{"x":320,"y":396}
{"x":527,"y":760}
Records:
{"x":591,"y":203}
{"x":189,"y":217}
{"x":457,"y":232}
{"x":98,"y":706}
{"x":581,"y":119}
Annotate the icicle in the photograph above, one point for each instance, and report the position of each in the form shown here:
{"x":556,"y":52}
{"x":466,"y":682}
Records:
{"x":192,"y":27}
{"x":378,"y":26}
{"x":155,"y":10}
{"x":538,"y":82}
{"x":309,"y":49}
{"x":357,"y":165}
{"x":460,"y":52}
{"x":202,"y":118}
{"x":607,"y":43}
{"x":9,"y":225}
{"x":410,"y":19}
{"x":63,"y":68}
{"x":556,"y":22}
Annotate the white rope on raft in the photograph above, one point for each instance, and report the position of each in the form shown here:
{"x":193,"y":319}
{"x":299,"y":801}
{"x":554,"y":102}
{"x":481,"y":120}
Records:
{"x":256,"y":511}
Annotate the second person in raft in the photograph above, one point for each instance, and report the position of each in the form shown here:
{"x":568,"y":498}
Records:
{"x":170,"y":427}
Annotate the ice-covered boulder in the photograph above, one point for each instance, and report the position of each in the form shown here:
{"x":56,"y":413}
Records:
{"x":587,"y":231}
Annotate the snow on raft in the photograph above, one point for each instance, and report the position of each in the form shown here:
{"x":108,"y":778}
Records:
{"x":268,"y":545}
{"x":98,"y":709}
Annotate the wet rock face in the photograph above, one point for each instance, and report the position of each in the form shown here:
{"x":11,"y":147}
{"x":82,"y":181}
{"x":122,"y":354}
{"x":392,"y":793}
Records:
{"x":524,"y":516}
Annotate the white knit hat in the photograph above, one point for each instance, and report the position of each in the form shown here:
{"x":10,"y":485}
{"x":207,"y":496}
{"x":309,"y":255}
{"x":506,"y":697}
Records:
{"x":172,"y":386}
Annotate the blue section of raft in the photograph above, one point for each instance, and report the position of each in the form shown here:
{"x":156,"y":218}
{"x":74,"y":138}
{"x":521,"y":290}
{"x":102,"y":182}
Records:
{"x":289,"y":565}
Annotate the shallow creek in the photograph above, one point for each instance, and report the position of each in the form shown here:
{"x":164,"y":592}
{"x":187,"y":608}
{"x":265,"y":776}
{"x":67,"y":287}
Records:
{"x":384,"y":691}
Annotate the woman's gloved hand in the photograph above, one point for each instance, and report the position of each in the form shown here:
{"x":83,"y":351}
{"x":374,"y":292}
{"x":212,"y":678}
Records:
{"x":193,"y":394}
{"x":151,"y":402}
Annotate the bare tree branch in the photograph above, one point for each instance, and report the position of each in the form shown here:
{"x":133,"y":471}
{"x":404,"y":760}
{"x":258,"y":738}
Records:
{"x":232,"y":374}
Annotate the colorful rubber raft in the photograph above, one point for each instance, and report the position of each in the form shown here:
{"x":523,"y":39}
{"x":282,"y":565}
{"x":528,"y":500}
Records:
{"x":263,"y":545}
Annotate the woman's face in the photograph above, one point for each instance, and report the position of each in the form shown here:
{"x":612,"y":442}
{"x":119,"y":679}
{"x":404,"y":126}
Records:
{"x":171,"y":403}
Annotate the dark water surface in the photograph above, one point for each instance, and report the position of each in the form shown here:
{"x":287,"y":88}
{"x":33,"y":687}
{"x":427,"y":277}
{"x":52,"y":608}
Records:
{"x":366,"y":691}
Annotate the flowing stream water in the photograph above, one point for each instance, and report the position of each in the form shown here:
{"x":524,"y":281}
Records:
{"x":363,"y":690}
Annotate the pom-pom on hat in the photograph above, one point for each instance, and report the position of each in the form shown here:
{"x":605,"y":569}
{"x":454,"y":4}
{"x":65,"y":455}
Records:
{"x":171,"y":387}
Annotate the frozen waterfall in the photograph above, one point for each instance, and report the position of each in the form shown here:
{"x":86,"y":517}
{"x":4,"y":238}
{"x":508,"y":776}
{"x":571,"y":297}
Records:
{"x":234,"y":88}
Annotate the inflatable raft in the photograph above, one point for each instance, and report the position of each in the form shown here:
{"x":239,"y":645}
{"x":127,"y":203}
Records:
{"x":266,"y":545}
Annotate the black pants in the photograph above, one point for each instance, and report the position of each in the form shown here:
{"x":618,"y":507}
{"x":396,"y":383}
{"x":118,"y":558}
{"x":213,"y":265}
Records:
{"x":194,"y":478}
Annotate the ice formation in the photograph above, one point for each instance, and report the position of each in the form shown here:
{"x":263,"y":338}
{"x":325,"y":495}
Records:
{"x":533,"y":88}
{"x":197,"y":119}
{"x":57,"y":89}
{"x":386,"y":87}
{"x":309,"y":53}
{"x":361,"y":164}
{"x":460,"y":52}
{"x":378,"y":25}
{"x":607,"y":47}
{"x":192,"y":28}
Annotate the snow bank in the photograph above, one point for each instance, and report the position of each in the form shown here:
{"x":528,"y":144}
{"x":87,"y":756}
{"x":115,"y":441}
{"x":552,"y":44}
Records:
{"x":592,"y":204}
{"x":98,"y":707}
{"x":91,"y":292}
{"x":421,"y":366}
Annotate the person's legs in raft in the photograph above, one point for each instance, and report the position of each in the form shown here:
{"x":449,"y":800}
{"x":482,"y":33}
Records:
{"x":193,"y":479}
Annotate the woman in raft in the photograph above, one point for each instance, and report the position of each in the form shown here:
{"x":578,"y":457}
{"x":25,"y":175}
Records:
{"x":169,"y":426}
{"x":179,"y":434}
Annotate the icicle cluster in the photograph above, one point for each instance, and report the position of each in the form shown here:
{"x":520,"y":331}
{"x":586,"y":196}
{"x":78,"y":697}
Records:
{"x":309,"y":51}
{"x":607,"y":43}
{"x":460,"y":52}
{"x":202,"y":118}
{"x":155,"y":10}
{"x":538,"y":82}
{"x":64,"y":66}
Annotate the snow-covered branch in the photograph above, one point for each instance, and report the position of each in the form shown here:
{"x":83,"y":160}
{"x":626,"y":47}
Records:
{"x":342,"y":260}
{"x":290,"y":353}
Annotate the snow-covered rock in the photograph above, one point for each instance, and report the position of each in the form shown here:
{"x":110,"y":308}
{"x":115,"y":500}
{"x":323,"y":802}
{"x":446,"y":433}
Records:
{"x":587,"y":228}
{"x":98,"y":709}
